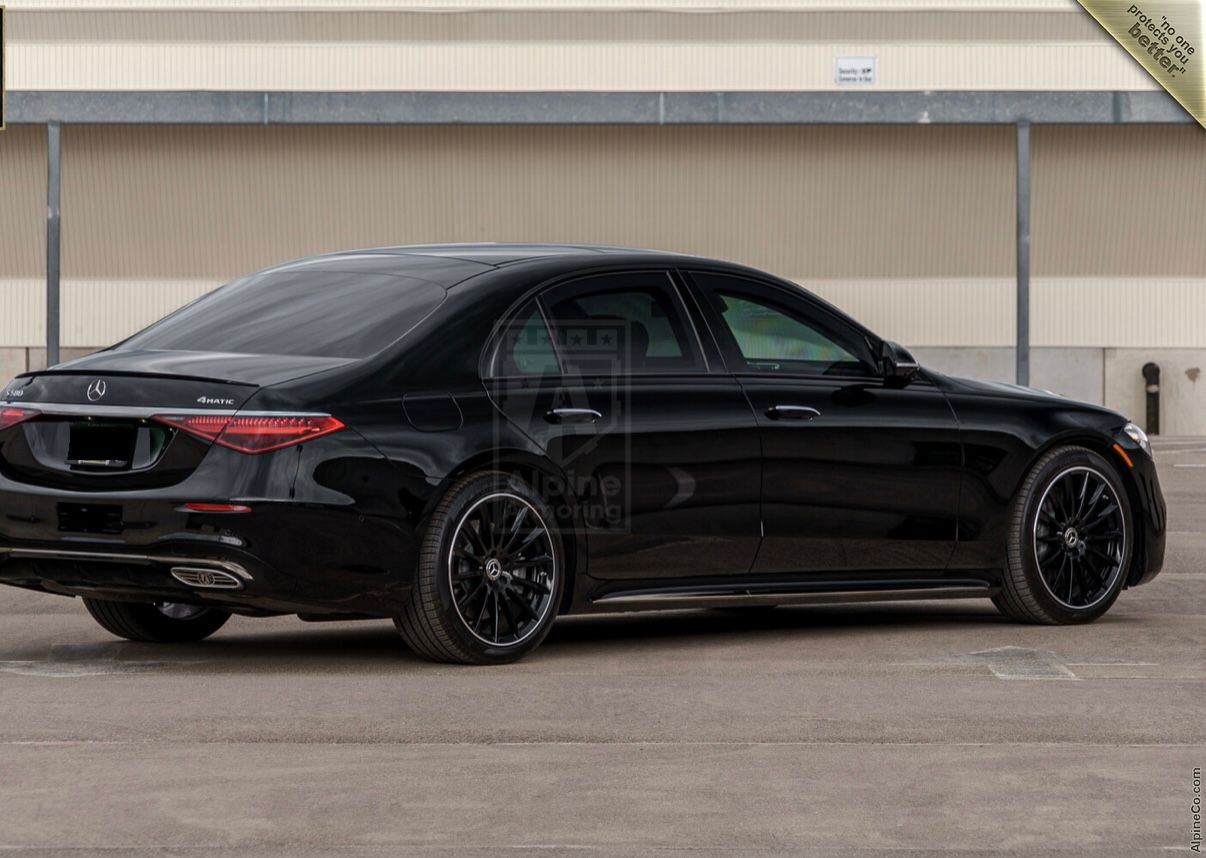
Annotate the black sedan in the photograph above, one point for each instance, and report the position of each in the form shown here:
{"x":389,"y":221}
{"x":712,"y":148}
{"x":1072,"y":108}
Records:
{"x":473,"y":439}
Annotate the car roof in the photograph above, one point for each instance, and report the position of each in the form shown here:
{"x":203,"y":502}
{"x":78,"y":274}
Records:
{"x":502,"y":253}
{"x":450,"y":264}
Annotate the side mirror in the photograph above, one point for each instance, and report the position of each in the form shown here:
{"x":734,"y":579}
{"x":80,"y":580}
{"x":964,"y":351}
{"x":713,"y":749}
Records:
{"x":898,"y":364}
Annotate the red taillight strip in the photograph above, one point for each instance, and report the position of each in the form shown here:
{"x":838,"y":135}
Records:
{"x":199,"y":506}
{"x":207,"y":426}
{"x":10,"y":416}
{"x":254,"y":432}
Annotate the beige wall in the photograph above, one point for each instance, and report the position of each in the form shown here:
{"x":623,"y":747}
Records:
{"x":909,"y":228}
{"x":631,"y":45}
{"x":912,"y":218}
{"x":353,"y":5}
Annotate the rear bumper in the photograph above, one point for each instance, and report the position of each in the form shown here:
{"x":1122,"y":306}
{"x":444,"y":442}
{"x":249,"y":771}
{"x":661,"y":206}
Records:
{"x":279,"y":557}
{"x":326,"y":531}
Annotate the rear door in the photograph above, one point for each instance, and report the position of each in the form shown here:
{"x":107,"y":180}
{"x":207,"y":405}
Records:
{"x":659,"y":448}
{"x":857,"y":474}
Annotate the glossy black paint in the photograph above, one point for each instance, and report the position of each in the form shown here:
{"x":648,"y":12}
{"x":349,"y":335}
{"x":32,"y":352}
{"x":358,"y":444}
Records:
{"x":701,"y":479}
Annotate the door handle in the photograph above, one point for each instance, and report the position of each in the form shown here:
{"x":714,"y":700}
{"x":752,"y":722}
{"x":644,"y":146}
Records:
{"x":792,"y":412}
{"x":572,"y":415}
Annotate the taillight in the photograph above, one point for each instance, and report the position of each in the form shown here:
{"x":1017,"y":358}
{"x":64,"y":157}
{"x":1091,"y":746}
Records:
{"x":254,"y":433}
{"x":203,"y":506}
{"x":12,"y":416}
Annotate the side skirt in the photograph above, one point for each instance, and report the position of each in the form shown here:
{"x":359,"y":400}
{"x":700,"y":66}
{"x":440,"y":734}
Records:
{"x":799,"y":593}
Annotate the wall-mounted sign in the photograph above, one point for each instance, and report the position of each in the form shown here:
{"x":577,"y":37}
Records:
{"x":853,"y":71}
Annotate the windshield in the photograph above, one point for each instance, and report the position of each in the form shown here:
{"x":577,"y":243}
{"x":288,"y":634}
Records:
{"x":344,"y":314}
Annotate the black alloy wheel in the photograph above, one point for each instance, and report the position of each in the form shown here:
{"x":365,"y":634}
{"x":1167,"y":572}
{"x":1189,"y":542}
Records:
{"x":1069,"y":545}
{"x":501,"y":567}
{"x":490,"y":574}
{"x":1079,"y":538}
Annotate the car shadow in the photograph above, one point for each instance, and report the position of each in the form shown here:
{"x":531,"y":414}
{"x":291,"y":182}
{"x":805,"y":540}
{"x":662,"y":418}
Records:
{"x":814,"y":620}
{"x":374,"y":645}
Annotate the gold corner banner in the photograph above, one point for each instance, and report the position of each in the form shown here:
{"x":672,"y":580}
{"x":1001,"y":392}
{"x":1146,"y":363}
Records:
{"x":1165,"y":36}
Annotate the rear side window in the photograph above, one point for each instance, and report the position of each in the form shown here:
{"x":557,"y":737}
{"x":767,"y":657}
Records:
{"x":527,"y":347}
{"x":300,"y":313}
{"x":621,"y":324}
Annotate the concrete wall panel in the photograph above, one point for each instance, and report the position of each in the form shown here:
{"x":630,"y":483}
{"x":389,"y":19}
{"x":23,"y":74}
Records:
{"x":1182,"y":385}
{"x":1075,"y":373}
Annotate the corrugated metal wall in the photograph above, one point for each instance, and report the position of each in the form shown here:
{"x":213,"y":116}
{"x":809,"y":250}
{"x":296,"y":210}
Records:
{"x":557,"y":45}
{"x":511,"y":66}
{"x":910,"y":228}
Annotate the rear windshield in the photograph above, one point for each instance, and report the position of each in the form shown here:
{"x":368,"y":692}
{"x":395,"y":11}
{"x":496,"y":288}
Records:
{"x":310,"y":313}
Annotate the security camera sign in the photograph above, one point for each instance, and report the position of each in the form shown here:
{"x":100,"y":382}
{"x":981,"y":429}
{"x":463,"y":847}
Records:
{"x":854,"y":71}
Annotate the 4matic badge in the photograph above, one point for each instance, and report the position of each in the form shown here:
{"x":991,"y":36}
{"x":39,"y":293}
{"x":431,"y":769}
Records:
{"x":210,"y":400}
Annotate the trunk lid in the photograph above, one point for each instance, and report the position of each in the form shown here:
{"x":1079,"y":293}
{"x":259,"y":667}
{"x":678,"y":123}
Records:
{"x":94,"y":431}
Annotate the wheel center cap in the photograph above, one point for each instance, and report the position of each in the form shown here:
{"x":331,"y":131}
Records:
{"x":493,"y":569}
{"x":1071,"y":537}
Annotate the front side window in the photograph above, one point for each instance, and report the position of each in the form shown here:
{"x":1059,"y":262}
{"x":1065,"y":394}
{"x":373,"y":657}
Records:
{"x":770,"y":333}
{"x":618,"y":324}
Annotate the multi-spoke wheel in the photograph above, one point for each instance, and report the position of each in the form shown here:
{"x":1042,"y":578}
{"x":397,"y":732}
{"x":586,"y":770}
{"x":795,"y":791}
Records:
{"x":161,"y":622}
{"x":1070,"y":542}
{"x":489,"y":578}
{"x":501,"y":569}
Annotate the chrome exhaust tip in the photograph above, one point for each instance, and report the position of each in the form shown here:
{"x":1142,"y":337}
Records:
{"x":206,"y":579}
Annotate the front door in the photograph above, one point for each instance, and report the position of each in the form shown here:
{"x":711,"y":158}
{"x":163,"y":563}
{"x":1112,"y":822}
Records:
{"x":606,"y":375}
{"x":858,"y":474}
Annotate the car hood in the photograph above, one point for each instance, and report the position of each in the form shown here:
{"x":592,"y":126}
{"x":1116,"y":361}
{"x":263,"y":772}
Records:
{"x":1001,"y":388}
{"x":1005,"y":390}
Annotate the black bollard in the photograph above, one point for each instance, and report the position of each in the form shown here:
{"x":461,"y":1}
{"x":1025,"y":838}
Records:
{"x":1151,"y":375}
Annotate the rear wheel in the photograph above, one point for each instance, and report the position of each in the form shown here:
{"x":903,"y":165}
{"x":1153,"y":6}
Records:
{"x":160,"y":622}
{"x":489,"y":577}
{"x":1070,"y":540}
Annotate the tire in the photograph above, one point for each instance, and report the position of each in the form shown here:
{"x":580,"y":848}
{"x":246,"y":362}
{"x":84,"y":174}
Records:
{"x":490,"y":549}
{"x":1070,"y":540}
{"x":153,"y":623}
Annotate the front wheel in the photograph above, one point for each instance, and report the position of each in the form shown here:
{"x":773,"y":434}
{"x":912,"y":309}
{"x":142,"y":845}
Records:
{"x":1069,"y":542}
{"x":161,"y":622}
{"x":490,"y":574}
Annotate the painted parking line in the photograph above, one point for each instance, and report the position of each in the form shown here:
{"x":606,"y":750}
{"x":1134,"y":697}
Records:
{"x":72,"y":661}
{"x":1015,"y":662}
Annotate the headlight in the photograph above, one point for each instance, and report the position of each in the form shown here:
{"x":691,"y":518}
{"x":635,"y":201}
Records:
{"x":1138,"y":436}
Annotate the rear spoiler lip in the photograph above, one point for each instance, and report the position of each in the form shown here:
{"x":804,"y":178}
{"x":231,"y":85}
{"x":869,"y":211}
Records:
{"x":124,"y":373}
{"x":69,"y":409}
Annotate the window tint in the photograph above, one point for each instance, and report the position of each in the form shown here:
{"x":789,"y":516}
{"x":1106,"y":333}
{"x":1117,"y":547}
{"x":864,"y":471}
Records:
{"x":621,"y":323}
{"x":310,"y":313}
{"x":527,"y":346}
{"x":771,"y":334}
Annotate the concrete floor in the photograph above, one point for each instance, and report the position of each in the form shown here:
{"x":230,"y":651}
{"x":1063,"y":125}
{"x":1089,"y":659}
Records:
{"x":933,"y":728}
